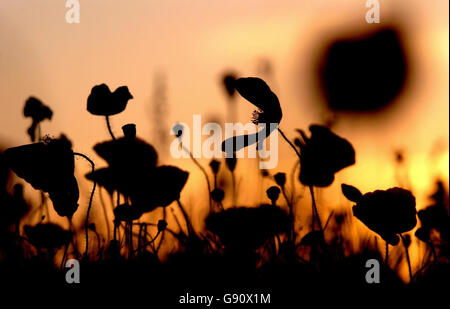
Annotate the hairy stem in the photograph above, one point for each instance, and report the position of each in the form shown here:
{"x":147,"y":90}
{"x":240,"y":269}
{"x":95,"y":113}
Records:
{"x":204,"y":173}
{"x":86,"y":229}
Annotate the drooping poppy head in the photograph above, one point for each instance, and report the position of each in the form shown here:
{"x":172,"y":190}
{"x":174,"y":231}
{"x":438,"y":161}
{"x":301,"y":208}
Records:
{"x":48,"y":167}
{"x":269,"y":113}
{"x":387,"y":213}
{"x":101,"y":101}
{"x":257,"y":92}
{"x":247,"y":228}
{"x":322,"y":155}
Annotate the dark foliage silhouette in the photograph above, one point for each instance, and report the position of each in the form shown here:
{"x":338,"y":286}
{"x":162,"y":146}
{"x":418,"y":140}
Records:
{"x":47,"y":236}
{"x":244,"y":228}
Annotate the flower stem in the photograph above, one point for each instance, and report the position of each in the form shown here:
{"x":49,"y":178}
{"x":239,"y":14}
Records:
{"x":387,"y":254}
{"x":407,"y":258}
{"x":315,"y":211}
{"x":186,"y":218}
{"x":204,"y":173}
{"x":148,"y":243}
{"x":109,"y":127}
{"x":90,"y":200}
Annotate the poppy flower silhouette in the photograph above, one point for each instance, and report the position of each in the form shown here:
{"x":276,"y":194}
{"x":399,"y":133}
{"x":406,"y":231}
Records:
{"x":387,"y":213}
{"x":38,"y":112}
{"x":133,"y":171}
{"x":322,"y":155}
{"x":247,"y":228}
{"x":102,"y":102}
{"x":435,"y":216}
{"x":48,"y":167}
{"x":257,"y":92}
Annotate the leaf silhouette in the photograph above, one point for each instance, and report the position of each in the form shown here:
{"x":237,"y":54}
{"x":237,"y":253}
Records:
{"x":351,"y":193}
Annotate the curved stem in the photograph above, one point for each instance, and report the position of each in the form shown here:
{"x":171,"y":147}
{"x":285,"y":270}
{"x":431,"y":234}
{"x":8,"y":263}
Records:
{"x":204,"y":173}
{"x":109,"y":127}
{"x":407,"y":258}
{"x":86,"y":230}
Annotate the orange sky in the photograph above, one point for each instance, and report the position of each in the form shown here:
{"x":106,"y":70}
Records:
{"x":192,"y":42}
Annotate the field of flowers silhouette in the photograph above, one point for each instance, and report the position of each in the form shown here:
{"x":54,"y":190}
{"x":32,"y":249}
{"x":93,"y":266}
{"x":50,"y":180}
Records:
{"x":240,"y":246}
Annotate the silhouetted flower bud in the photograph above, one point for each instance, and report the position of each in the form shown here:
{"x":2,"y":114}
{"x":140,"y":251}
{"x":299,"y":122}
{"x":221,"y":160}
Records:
{"x":407,"y":240}
{"x":162,"y":225}
{"x":231,"y":162}
{"x":177,"y":129}
{"x":273,"y":193}
{"x":215,"y":165}
{"x":217,"y":195}
{"x":280,"y":179}
{"x":129,"y":130}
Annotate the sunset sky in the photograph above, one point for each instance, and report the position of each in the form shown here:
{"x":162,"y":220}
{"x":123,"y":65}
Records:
{"x":191,"y":43}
